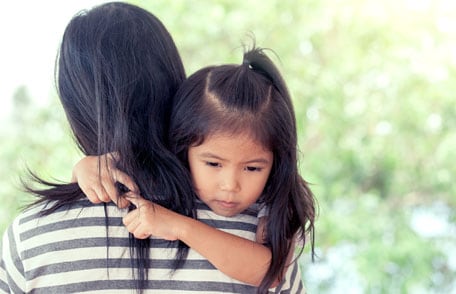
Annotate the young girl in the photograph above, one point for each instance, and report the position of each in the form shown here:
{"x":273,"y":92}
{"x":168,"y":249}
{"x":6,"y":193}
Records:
{"x":233,"y":126}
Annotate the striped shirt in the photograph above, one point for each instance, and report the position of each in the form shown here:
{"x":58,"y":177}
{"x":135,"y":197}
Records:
{"x":72,"y":251}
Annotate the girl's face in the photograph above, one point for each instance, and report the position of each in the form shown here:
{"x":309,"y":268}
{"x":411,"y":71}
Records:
{"x":229,"y":172}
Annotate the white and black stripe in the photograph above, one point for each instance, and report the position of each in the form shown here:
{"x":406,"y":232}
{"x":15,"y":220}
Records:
{"x":70,"y":251}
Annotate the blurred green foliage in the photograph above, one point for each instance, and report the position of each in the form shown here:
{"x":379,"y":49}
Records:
{"x":373,"y":85}
{"x":32,"y":138}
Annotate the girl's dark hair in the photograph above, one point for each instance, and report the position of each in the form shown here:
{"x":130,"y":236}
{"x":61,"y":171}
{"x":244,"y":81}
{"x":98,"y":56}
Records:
{"x":251,"y":98}
{"x":117,"y":70}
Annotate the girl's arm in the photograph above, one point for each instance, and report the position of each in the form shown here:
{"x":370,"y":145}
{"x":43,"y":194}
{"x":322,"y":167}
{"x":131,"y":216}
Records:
{"x":237,"y":257}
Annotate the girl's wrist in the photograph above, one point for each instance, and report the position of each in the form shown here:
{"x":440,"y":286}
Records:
{"x":184,"y":227}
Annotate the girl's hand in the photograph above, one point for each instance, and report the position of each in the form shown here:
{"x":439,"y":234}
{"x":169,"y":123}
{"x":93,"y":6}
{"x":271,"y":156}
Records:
{"x":151,"y":219}
{"x":97,"y":177}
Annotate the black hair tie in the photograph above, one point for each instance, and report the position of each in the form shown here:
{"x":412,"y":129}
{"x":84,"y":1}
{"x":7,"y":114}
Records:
{"x":247,"y":63}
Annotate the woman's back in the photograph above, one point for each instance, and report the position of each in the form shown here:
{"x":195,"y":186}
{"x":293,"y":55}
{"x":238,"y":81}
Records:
{"x":70,"y":250}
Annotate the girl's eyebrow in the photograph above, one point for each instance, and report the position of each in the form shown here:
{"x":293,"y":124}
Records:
{"x":255,"y":160}
{"x":210,"y":155}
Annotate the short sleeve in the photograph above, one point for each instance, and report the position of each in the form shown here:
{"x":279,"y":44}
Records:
{"x":264,"y":211}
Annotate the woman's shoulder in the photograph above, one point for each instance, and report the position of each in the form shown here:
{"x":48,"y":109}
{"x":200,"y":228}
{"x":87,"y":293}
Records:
{"x":44,"y":217}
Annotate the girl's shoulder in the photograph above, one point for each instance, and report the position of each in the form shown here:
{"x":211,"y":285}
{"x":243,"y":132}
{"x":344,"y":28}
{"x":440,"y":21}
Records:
{"x":249,"y":215}
{"x":243,"y":224}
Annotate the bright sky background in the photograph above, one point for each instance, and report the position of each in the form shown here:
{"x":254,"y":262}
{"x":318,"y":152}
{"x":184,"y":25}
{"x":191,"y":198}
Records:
{"x":30,"y":33}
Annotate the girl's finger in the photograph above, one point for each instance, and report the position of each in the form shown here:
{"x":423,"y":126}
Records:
{"x":125,"y":180}
{"x":113,"y":156}
{"x":109,"y":188}
{"x":122,"y":202}
{"x":91,"y":195}
{"x":135,"y":199}
{"x":141,"y":235}
{"x":131,"y":219}
{"x":102,"y":194}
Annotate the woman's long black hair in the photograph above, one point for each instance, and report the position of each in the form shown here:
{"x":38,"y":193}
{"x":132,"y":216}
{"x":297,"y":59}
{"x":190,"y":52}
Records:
{"x":118,"y":69}
{"x":251,"y":98}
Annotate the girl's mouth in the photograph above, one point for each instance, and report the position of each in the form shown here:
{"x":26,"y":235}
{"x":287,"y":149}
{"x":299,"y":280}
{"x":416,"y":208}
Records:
{"x":226,"y":204}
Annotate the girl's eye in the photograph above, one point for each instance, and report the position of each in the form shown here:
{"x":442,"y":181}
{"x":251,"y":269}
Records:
{"x":212,"y":164}
{"x":253,"y":169}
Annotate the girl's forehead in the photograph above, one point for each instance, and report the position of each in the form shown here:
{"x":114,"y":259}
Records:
{"x":240,"y":147}
{"x":232,"y":135}
{"x":242,"y":137}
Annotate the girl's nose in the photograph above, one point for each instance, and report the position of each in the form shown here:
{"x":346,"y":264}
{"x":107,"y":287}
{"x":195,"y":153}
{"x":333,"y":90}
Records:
{"x":229,"y":182}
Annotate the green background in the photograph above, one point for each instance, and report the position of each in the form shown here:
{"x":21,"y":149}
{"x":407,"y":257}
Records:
{"x":373,"y":84}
